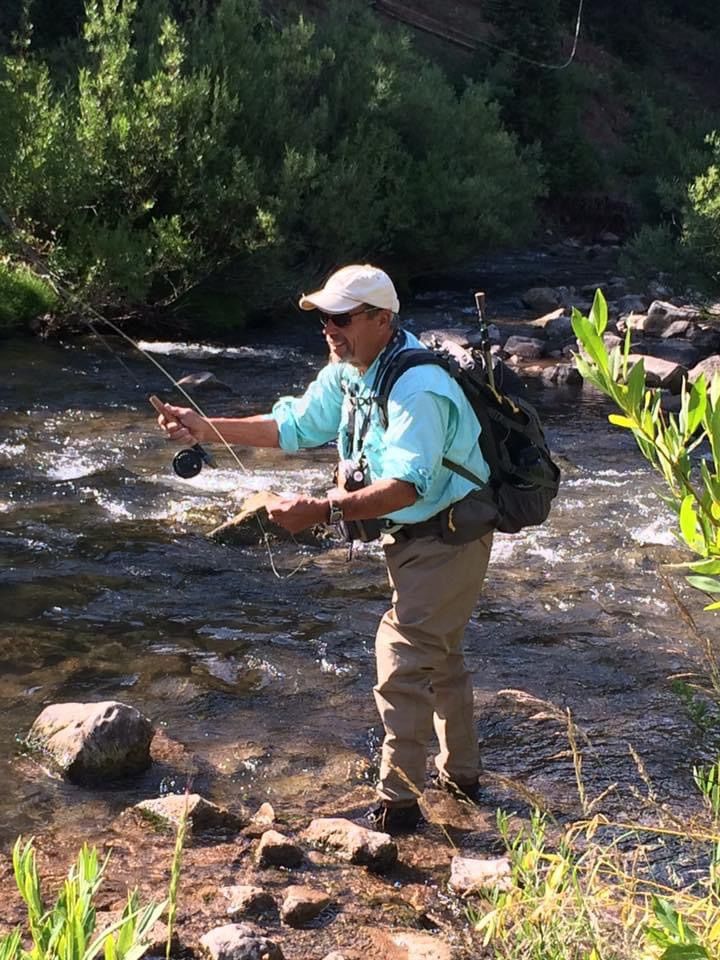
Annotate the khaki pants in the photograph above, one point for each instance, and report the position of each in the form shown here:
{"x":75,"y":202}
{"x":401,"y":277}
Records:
{"x":421,"y":675}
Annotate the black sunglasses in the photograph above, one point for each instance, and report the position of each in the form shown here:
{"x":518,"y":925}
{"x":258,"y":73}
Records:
{"x":344,"y":319}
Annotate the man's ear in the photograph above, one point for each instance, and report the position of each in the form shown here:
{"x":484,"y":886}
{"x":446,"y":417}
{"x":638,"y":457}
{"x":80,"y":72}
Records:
{"x":386,"y":316}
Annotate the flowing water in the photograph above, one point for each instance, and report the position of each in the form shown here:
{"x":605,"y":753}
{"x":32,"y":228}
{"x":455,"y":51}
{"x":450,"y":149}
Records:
{"x":110,"y":589}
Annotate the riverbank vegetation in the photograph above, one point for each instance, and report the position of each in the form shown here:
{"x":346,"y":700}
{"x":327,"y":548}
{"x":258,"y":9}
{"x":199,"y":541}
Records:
{"x":164,"y":151}
{"x":152,"y":149}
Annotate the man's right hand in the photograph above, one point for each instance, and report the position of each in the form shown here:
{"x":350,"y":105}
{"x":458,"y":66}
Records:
{"x":184,"y":425}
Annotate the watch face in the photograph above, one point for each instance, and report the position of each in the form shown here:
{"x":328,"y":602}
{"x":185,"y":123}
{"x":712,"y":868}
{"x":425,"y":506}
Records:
{"x":336,"y":514}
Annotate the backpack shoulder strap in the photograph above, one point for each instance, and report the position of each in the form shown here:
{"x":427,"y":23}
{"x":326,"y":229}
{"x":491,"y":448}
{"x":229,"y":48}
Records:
{"x":403,"y":361}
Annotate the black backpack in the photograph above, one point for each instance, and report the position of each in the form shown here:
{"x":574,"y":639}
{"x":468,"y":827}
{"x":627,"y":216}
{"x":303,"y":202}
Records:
{"x":523,"y":477}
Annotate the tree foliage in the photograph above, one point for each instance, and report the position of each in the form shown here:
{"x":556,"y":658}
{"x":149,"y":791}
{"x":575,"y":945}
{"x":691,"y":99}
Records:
{"x":179,"y":145}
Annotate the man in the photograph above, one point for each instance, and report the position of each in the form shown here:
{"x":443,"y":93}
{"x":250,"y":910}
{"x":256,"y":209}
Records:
{"x":421,"y":676}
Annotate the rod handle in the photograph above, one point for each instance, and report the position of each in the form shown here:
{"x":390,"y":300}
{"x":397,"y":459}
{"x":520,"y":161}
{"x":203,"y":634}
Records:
{"x":159,"y":406}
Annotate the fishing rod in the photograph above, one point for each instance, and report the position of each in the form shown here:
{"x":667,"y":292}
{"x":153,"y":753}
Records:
{"x":187,"y":463}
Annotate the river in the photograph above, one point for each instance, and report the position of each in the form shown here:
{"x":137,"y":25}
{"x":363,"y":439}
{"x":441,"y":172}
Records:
{"x":110,"y":589}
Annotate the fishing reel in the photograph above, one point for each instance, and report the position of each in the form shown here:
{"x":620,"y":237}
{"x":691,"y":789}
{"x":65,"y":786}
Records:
{"x":188,"y":463}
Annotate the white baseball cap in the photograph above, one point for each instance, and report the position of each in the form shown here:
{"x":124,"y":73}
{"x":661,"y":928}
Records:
{"x":349,"y":287}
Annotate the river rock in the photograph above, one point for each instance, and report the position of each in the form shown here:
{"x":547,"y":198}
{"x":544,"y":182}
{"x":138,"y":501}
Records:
{"x":704,"y":336}
{"x":203,"y":815}
{"x":276,"y":850}
{"x":205,"y":382}
{"x":659,"y":372}
{"x":239,"y":941}
{"x":352,"y":842}
{"x":661,"y":314}
{"x":526,"y":348}
{"x":468,"y":874}
{"x":678,"y":328}
{"x":676,"y":351}
{"x":93,"y":741}
{"x":542,"y":299}
{"x":630,"y":303}
{"x":422,"y":946}
{"x":261,"y":820}
{"x":302,"y":905}
{"x":245,"y":900}
{"x":709,"y":366}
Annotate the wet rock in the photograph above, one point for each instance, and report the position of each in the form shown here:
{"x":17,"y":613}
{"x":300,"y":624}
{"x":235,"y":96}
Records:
{"x":276,"y":850}
{"x":203,"y":815}
{"x":302,"y":905}
{"x":659,"y":372}
{"x":422,"y":946}
{"x":542,"y":299}
{"x":612,"y":340}
{"x":261,"y":820}
{"x":252,"y":525}
{"x":245,"y":900}
{"x":468,"y":874}
{"x":93,"y":741}
{"x":709,"y":366}
{"x":205,"y":382}
{"x":352,"y":842}
{"x":562,"y":374}
{"x":239,"y":941}
{"x":526,"y":348}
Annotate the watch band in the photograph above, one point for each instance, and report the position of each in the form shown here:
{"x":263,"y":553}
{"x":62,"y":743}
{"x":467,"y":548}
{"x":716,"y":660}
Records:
{"x":336,"y":512}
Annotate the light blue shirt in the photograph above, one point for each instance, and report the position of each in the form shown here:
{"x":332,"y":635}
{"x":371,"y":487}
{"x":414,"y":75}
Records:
{"x":428,"y":418}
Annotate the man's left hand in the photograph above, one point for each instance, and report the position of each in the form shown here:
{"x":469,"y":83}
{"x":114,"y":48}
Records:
{"x":298,"y":513}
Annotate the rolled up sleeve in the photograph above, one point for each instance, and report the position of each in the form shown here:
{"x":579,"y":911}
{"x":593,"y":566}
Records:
{"x":415,"y":439}
{"x":313,"y":418}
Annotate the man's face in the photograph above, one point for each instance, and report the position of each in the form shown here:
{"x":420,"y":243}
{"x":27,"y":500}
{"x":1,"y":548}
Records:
{"x":357,"y":337}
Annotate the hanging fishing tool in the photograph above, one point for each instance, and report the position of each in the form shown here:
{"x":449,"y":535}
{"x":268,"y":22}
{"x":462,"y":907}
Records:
{"x":186,"y":463}
{"x":485,"y":338}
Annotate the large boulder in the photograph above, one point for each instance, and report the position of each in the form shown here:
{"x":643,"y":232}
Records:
{"x":91,"y":742}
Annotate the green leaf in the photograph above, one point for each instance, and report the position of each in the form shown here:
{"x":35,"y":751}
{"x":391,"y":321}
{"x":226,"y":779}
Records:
{"x":708,"y":567}
{"x":666,"y":915}
{"x":707,"y":584}
{"x":599,"y":312}
{"x":685,"y":951}
{"x":636,"y":385}
{"x":696,"y":407}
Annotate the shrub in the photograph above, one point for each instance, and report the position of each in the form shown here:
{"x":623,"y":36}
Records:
{"x":178,"y":148}
{"x":701,"y":233}
{"x":23,"y":296}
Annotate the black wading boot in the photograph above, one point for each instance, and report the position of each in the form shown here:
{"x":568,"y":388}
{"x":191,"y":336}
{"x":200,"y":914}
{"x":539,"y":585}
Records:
{"x":395,"y":818}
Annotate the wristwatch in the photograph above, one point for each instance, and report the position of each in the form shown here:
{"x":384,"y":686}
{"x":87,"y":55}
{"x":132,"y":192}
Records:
{"x":336,"y":512}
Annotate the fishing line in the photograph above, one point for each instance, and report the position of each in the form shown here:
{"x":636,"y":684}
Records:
{"x":45,"y":272}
